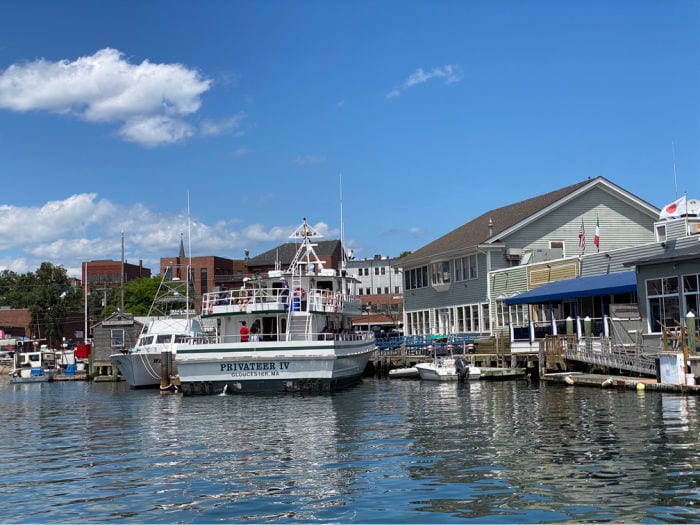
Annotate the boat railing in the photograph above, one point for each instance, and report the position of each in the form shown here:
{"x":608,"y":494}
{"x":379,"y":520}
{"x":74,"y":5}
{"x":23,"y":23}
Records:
{"x":254,"y":298}
{"x":538,"y":330}
{"x":266,"y":299}
{"x":344,"y":335}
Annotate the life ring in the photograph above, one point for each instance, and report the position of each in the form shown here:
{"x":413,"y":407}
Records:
{"x":299,"y":292}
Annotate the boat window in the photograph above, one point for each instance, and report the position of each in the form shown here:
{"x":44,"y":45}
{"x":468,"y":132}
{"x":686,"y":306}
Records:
{"x":164,"y":338}
{"x":145,"y":341}
{"x":182,"y":338}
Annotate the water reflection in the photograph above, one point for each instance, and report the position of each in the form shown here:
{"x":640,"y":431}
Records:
{"x":386,"y":451}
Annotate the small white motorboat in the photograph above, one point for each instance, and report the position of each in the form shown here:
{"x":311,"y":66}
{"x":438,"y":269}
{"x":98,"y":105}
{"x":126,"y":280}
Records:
{"x":410,"y":372}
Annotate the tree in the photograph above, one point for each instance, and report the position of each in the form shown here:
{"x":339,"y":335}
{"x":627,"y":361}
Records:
{"x":49,"y":296}
{"x":139,"y":296}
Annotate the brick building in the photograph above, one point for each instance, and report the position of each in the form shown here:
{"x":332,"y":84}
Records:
{"x":107,"y":274}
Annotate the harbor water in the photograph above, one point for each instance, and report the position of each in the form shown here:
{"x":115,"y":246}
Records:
{"x":385,"y":451}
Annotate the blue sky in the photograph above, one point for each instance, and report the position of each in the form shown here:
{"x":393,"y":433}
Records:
{"x":425,"y":113}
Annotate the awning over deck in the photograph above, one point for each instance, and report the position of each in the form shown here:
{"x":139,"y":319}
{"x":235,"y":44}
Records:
{"x":608,"y":284}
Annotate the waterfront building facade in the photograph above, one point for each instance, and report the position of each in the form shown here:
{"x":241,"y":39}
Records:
{"x":451,"y":285}
{"x":380,"y":286}
{"x":628,"y":294}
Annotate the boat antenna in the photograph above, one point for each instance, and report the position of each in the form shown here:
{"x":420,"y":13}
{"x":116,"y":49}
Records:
{"x":121,"y":300}
{"x":675,"y":176}
{"x":189,"y":257}
{"x":344,"y":257}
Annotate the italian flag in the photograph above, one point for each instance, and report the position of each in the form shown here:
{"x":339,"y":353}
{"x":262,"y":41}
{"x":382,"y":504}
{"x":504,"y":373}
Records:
{"x":596,"y":239}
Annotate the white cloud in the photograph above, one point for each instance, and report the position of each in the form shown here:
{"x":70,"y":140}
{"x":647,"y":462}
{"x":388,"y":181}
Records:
{"x":55,"y":218}
{"x":84,"y":227}
{"x":150,"y":100}
{"x":449,"y":73}
{"x":217,"y":127}
{"x":241,"y":152}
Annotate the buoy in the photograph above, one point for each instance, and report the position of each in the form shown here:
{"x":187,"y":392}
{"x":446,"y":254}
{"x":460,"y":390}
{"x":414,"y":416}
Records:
{"x":569,"y":380}
{"x":640,"y":386}
{"x":608,"y":382}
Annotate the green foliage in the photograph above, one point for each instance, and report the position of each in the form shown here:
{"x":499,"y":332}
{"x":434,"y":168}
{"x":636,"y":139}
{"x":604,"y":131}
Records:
{"x":139,"y":296}
{"x":47,"y":293}
{"x":404,"y":254}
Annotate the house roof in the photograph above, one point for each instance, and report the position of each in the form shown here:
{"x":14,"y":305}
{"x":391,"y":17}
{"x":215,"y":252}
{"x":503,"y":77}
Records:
{"x":508,"y":218}
{"x":286,"y":252}
{"x":670,"y":255}
{"x":594,"y":285}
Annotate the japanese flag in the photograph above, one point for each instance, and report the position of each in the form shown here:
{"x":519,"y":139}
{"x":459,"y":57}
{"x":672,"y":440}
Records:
{"x":675,"y":209}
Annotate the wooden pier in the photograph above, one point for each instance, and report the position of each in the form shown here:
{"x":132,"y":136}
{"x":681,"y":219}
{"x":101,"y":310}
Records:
{"x":486,"y":353}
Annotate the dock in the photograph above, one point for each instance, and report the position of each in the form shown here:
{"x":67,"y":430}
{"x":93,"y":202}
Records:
{"x":619,"y":382}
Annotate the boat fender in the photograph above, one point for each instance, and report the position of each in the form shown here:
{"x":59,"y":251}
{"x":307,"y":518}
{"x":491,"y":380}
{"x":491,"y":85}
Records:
{"x":462,"y":368}
{"x":336,"y":302}
{"x":300,"y":292}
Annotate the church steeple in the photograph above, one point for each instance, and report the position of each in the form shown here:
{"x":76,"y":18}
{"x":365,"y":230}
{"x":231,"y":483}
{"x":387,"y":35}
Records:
{"x":181,"y":255}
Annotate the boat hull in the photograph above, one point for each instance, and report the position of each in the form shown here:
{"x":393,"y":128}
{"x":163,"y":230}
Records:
{"x":271,"y":367}
{"x":447,"y":372}
{"x":404,"y":373}
{"x":38,"y":376}
{"x":139,"y":370}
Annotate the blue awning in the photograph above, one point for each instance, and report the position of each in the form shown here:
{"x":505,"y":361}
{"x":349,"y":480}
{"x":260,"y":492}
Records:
{"x":608,"y":284}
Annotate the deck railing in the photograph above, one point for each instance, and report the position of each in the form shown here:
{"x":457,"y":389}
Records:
{"x":260,"y":298}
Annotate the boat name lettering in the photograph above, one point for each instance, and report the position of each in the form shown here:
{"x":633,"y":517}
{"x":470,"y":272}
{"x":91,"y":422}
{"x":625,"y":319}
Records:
{"x":257,"y":368}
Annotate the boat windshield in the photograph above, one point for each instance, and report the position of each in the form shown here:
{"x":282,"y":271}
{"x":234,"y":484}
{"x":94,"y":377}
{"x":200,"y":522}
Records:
{"x":146,"y":340}
{"x":164,"y":338}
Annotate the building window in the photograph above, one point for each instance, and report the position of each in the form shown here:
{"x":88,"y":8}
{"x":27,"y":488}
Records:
{"x":116,"y":277}
{"x":691,"y":293}
{"x":663,"y":300}
{"x":660,"y":233}
{"x":376,"y":270}
{"x":366,"y":271}
{"x":440,"y":272}
{"x":359,"y":291}
{"x":465,"y":268}
{"x":383,"y":270}
{"x":368,"y":291}
{"x":117,"y":337}
{"x":386,"y":290}
{"x":396,"y":290}
{"x":379,"y":290}
{"x":203,"y":280}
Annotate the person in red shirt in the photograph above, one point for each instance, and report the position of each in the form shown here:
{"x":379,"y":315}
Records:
{"x":244,"y":332}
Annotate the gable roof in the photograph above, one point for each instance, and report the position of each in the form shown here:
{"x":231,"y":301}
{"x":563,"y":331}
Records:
{"x":507,"y":219}
{"x":286,"y":252}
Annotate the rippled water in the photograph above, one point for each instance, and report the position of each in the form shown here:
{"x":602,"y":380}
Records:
{"x":382,"y":452}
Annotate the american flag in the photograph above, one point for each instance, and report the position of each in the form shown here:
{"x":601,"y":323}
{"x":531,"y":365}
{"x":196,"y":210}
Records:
{"x":582,"y":237}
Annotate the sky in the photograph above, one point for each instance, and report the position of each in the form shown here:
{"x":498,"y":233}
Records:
{"x":385,"y":123}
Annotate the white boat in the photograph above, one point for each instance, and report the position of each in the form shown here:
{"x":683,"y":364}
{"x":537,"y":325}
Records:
{"x":448,"y":369}
{"x":37,"y":366}
{"x":151,"y":362}
{"x":304,"y":342}
{"x":145,"y":365}
{"x":409,"y":372}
